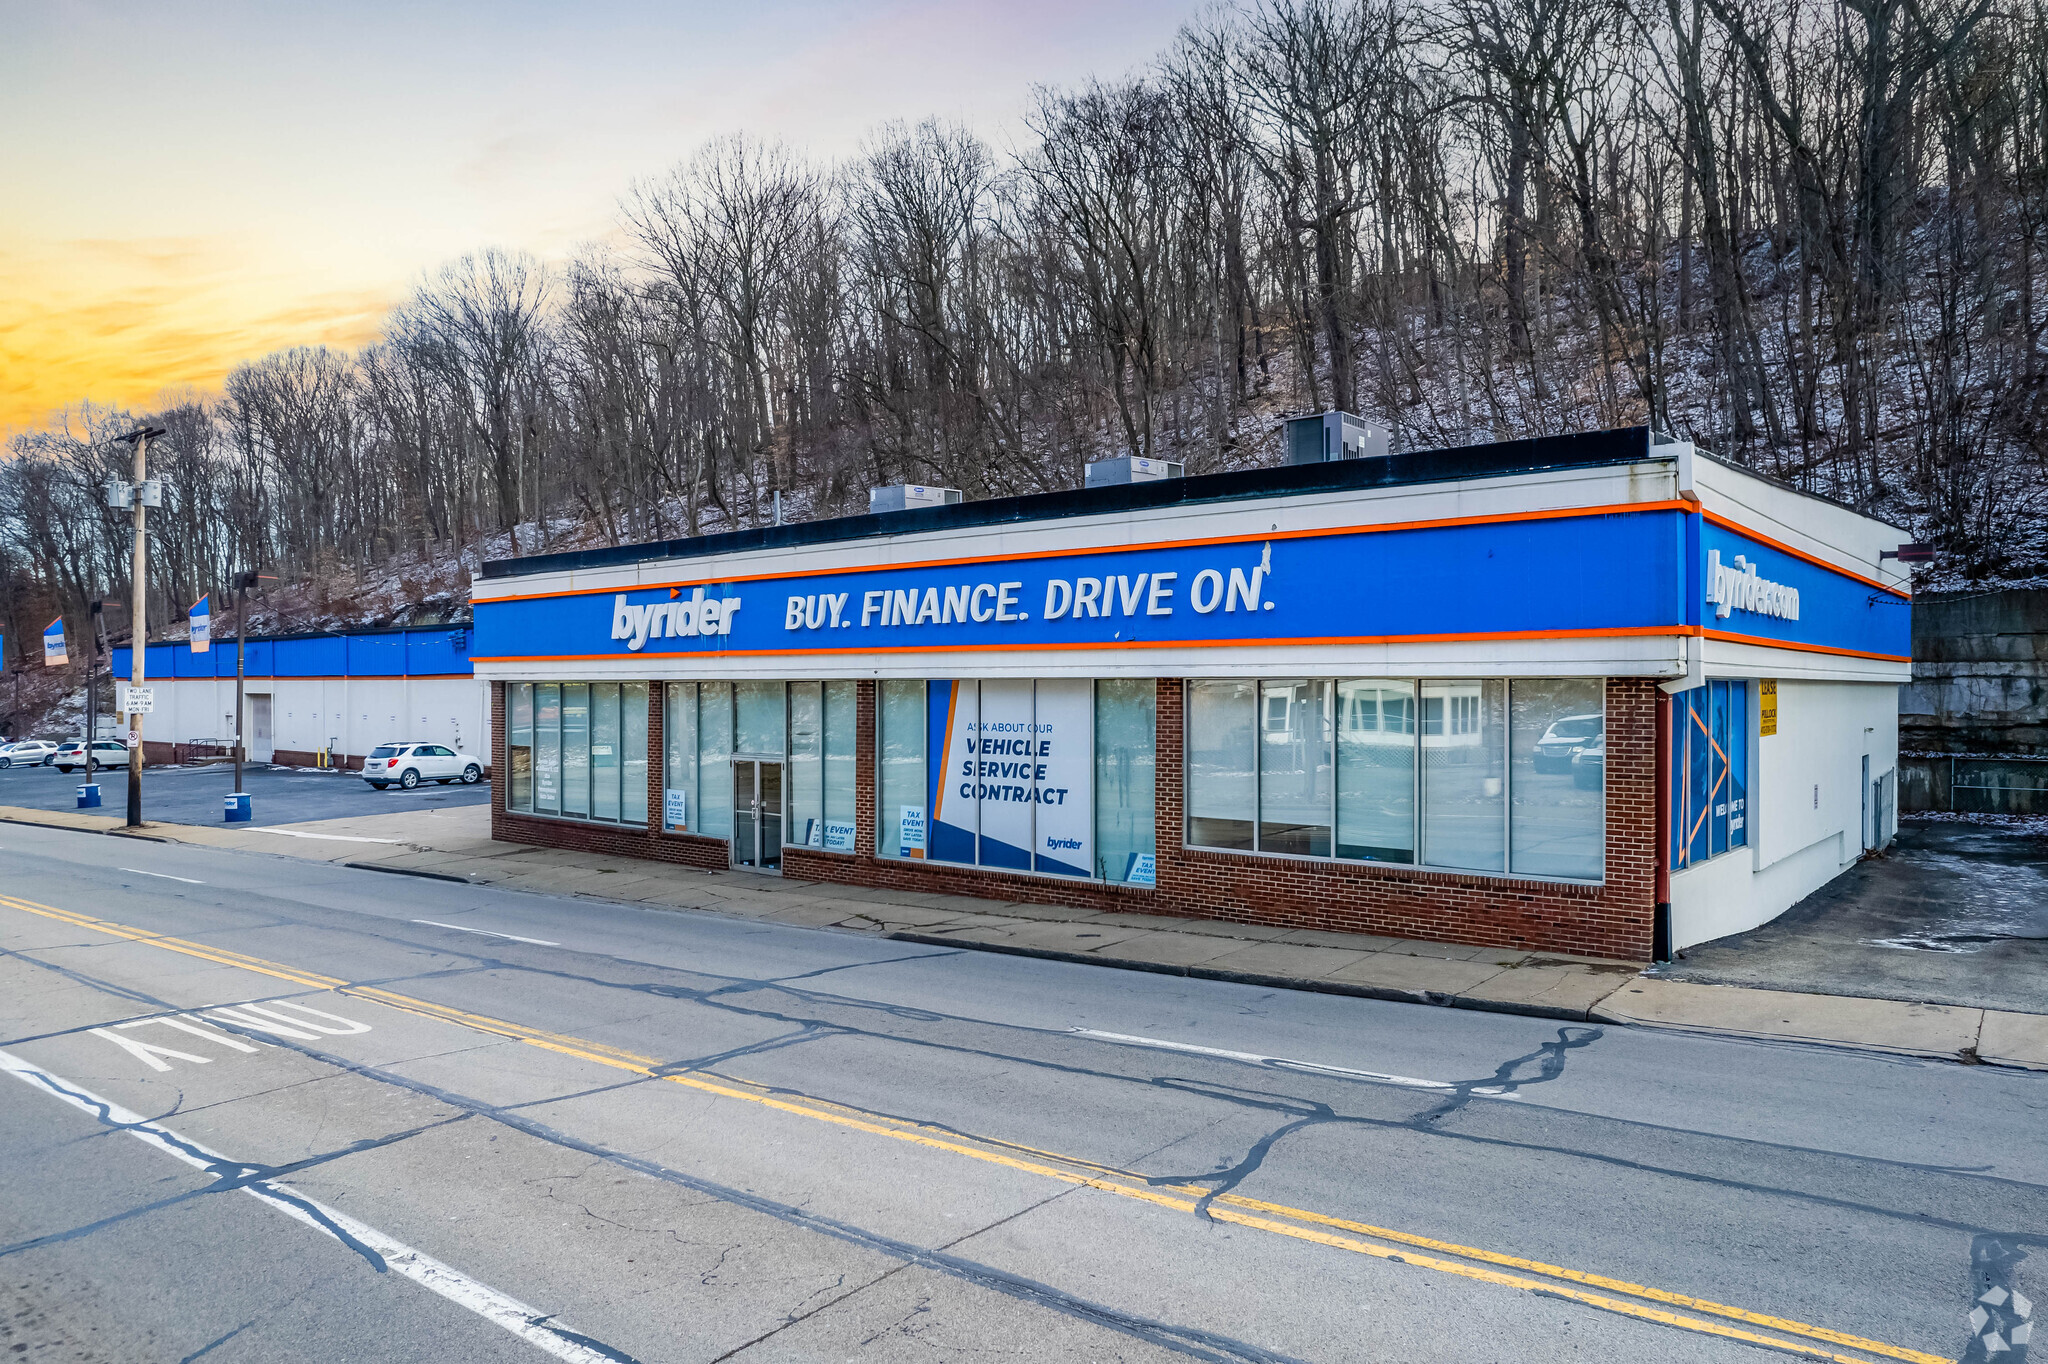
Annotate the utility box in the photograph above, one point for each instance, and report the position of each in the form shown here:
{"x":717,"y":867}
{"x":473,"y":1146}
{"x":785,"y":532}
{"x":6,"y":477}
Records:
{"x":1334,"y":435}
{"x":1131,"y":469}
{"x":910,"y":496}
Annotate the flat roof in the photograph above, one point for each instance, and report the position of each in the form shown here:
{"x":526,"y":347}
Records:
{"x":1592,"y":449}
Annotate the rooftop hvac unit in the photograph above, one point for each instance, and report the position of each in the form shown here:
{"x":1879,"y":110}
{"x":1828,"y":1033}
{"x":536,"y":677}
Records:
{"x":1333,"y":435}
{"x":1131,"y":469}
{"x":909,"y":496}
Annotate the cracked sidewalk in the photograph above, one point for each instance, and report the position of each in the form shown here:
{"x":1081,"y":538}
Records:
{"x":455,"y":844}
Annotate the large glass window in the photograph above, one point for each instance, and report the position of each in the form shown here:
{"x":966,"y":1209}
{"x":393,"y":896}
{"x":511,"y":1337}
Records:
{"x":760,"y":717}
{"x":1464,"y":774}
{"x":900,"y":770}
{"x":1709,"y":772}
{"x":1295,"y":763}
{"x":604,"y":750}
{"x":806,"y":778}
{"x":1376,"y":769}
{"x":1385,"y":769}
{"x":1126,"y":730}
{"x":578,"y":749}
{"x":633,"y":747}
{"x":714,"y":759}
{"x":519,"y":746}
{"x":547,"y":748}
{"x":1222,"y":776}
{"x":679,"y":762}
{"x":1559,"y":754}
{"x":840,"y":725}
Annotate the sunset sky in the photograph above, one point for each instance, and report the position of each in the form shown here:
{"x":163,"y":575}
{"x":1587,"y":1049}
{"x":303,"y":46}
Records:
{"x":189,"y":185}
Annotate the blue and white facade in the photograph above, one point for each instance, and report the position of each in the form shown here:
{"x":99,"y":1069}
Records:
{"x":1416,"y":682}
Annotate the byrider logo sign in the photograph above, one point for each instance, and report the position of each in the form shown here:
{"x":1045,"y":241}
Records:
{"x":699,"y":616}
{"x":1739,"y":588}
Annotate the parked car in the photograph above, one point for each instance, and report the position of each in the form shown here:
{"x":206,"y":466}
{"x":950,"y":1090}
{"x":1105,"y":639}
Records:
{"x":410,"y":764}
{"x":1565,"y":737}
{"x":105,"y":753}
{"x":1589,"y":765}
{"x":28,"y":753}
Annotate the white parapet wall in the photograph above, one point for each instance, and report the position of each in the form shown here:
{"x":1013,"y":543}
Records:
{"x":346,"y":716}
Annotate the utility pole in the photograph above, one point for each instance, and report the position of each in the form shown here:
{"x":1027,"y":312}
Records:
{"x":243,"y":582}
{"x":92,"y":686}
{"x":141,"y":495}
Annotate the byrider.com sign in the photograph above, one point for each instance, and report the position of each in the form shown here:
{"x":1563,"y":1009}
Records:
{"x":1569,"y":575}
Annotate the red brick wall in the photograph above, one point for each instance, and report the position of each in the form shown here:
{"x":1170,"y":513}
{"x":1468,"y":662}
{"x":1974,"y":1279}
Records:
{"x":1608,"y":920}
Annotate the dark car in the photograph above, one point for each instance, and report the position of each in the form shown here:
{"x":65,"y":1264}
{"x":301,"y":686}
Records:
{"x":1565,"y":737}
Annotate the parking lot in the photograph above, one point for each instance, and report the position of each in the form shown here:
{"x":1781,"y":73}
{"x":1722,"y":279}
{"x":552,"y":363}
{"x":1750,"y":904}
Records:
{"x":194,"y":795}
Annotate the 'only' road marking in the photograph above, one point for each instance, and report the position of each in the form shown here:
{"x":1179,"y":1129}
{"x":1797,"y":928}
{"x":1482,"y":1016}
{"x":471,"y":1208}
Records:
{"x":529,"y":1324}
{"x":1301,"y":1224}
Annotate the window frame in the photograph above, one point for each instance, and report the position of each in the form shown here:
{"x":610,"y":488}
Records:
{"x":532,"y":809}
{"x":1420,"y":729}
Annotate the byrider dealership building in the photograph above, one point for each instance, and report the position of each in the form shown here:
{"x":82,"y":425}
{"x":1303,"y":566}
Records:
{"x":1559,"y":694}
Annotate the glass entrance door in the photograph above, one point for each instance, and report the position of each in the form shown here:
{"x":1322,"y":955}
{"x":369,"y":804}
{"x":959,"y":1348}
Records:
{"x":756,"y":814}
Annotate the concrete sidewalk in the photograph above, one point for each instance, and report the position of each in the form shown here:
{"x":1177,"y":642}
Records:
{"x":455,"y":844}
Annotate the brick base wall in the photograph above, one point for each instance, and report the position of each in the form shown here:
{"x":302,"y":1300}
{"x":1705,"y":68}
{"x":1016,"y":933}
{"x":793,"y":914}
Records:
{"x":1612,"y":919}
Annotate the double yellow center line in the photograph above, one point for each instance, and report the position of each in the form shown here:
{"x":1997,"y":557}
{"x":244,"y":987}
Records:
{"x":1469,"y":1262}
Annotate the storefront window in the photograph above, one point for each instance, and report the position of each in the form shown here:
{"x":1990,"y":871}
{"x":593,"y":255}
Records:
{"x":714,"y":760}
{"x":578,"y":749}
{"x":547,"y":748}
{"x":840,"y":724}
{"x":1294,"y":768}
{"x":604,"y":750}
{"x":1376,"y":769}
{"x":633,"y":743}
{"x":519,"y":746}
{"x":1709,"y":772}
{"x":1336,"y":772}
{"x":806,"y":765}
{"x":1222,"y":776}
{"x":679,"y":776}
{"x":900,"y":770}
{"x":1464,"y":775}
{"x":1559,"y":748}
{"x":1125,"y":741}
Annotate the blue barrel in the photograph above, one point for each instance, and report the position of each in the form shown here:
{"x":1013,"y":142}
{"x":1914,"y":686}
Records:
{"x":89,"y":796}
{"x":238,"y":810}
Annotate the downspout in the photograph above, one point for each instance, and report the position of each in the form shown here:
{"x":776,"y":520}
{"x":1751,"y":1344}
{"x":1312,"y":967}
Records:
{"x":1660,"y":920}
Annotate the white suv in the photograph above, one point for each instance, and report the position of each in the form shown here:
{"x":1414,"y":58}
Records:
{"x":28,"y":753}
{"x":410,"y":764}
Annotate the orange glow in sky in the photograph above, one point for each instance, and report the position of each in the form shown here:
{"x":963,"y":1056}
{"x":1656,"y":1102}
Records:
{"x":186,"y":188}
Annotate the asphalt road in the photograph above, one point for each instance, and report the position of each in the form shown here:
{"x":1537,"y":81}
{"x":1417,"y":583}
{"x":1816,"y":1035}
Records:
{"x":194,"y":795}
{"x":262,"y":1109}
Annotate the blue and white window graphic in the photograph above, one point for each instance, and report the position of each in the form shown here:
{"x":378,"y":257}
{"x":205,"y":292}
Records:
{"x":54,"y":654}
{"x":1709,"y":772}
{"x":200,"y":618}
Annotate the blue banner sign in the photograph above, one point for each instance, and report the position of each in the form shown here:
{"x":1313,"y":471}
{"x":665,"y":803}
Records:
{"x":1532,"y":577}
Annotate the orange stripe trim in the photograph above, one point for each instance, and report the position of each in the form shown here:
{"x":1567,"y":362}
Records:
{"x":1729,"y":637}
{"x":1616,"y":631}
{"x":320,"y":677}
{"x":952,"y":710}
{"x":1553,"y":514}
{"x":1784,"y":548}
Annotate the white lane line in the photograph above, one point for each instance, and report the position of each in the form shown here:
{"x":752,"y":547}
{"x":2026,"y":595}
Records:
{"x":331,"y":838}
{"x":1286,"y":1063}
{"x":528,"y":1323}
{"x":537,"y":942}
{"x":137,"y":871}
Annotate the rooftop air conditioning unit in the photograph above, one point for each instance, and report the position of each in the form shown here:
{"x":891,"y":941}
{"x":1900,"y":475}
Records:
{"x":1333,"y":435}
{"x":1131,"y":469}
{"x":909,"y":496}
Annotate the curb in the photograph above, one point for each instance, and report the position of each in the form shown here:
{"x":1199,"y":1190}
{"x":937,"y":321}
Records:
{"x":80,"y":829}
{"x":1314,"y":987}
{"x":411,"y":871}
